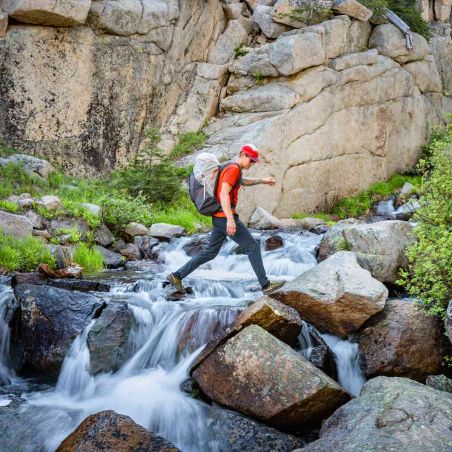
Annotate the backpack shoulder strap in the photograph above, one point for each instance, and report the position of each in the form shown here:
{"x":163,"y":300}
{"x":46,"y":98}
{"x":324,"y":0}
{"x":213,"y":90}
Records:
{"x":223,"y":166}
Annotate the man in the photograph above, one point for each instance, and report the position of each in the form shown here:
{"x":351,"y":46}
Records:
{"x":226,"y":222}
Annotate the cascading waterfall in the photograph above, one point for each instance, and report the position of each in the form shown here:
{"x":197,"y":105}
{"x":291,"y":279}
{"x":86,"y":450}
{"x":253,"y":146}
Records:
{"x":165,"y":339}
{"x":6,"y":373}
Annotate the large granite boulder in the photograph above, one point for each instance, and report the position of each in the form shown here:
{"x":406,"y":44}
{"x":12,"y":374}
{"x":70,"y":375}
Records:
{"x":390,"y":414}
{"x":336,"y":296}
{"x":380,"y":247}
{"x":333,"y":240}
{"x":390,"y":41}
{"x":269,"y":27}
{"x":111,"y":259}
{"x":108,"y":338}
{"x":352,"y":8}
{"x":402,"y":341}
{"x":16,"y":225}
{"x":30,"y":164}
{"x":260,"y":376}
{"x":301,"y":13}
{"x":234,"y":36}
{"x":57,"y":13}
{"x":108,"y":430}
{"x":273,"y":316}
{"x":50,"y":320}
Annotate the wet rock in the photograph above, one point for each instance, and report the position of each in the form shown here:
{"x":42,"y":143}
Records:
{"x":385,"y":208}
{"x":30,"y":164}
{"x":448,"y":321}
{"x":50,"y":320}
{"x":131,"y":252}
{"x":108,"y":338}
{"x":143,"y":266}
{"x":336,"y":296}
{"x":111,"y":259}
{"x":146,"y":246}
{"x":260,"y":376}
{"x":273,"y":243}
{"x":61,"y":13}
{"x":50,"y":202}
{"x":439,"y":382}
{"x":402,"y":341}
{"x":197,"y":243}
{"x":390,"y":414}
{"x":118,"y":245}
{"x":82,"y":285}
{"x":133,"y":229}
{"x":165,"y":231}
{"x":333,"y":240}
{"x":273,"y":316}
{"x":103,"y":236}
{"x":380,"y":247}
{"x":406,"y":211}
{"x":352,"y":8}
{"x":242,"y":434}
{"x":108,"y":430}
{"x":28,"y":278}
{"x":16,"y":225}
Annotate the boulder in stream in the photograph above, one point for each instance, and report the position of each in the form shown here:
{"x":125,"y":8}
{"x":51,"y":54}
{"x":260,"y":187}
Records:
{"x":260,"y":376}
{"x":108,"y":338}
{"x":402,"y":341}
{"x":108,"y":430}
{"x":336,"y":296}
{"x":273,"y":316}
{"x":391,"y":414}
{"x":50,"y":320}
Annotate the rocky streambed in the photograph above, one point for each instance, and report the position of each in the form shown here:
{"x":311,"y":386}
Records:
{"x":120,"y":356}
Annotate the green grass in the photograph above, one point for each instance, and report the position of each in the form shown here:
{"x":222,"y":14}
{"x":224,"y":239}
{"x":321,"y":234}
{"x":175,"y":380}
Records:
{"x":241,"y":50}
{"x":359,"y":204}
{"x":88,"y":258}
{"x":6,"y":151}
{"x":182,"y":212}
{"x":9,"y":206}
{"x":23,"y":254}
{"x":321,"y":216}
{"x":187,"y":143}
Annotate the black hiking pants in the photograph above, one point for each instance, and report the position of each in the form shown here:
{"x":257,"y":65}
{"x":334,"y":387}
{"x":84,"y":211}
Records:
{"x":242,"y":237}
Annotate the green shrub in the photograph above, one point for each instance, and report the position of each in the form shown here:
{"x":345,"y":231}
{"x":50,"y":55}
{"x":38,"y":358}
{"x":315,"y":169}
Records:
{"x":78,"y":211}
{"x":187,"y":143}
{"x":405,"y":9}
{"x":152,"y":174}
{"x":119,"y":209}
{"x":23,"y":254}
{"x":9,"y":206}
{"x":429,"y":275}
{"x":358,"y":205}
{"x":88,"y":258}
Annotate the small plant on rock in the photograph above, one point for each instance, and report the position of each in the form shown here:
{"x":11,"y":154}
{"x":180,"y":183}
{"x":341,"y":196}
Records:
{"x":241,"y":50}
{"x":187,"y":143}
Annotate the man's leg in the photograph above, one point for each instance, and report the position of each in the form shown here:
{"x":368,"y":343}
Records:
{"x":216,"y":240}
{"x":252,"y":249}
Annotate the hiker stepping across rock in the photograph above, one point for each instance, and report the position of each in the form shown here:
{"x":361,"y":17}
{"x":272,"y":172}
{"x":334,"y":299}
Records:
{"x":214,"y":189}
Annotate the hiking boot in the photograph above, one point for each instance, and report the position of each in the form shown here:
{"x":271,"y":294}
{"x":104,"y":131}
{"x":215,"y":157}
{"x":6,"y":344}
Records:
{"x":176,"y":282}
{"x":272,"y":286}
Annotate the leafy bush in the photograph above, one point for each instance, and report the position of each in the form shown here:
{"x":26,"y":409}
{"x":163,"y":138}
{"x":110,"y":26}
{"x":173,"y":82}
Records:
{"x":429,"y":275}
{"x":358,"y":205}
{"x":405,"y":9}
{"x":23,"y":254}
{"x":119,"y":209}
{"x":187,"y":143}
{"x":152,"y":174}
{"x":88,"y":258}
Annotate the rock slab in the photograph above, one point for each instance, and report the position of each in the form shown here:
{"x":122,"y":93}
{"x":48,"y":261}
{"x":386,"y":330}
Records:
{"x":390,"y":414}
{"x":336,"y":296}
{"x":260,"y":376}
{"x":16,"y":225}
{"x":109,"y":430}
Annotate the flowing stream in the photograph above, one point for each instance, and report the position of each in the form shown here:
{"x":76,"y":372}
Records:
{"x":165,"y":339}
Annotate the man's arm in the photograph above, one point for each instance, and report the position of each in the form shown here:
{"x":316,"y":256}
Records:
{"x":253,"y":181}
{"x":226,"y":206}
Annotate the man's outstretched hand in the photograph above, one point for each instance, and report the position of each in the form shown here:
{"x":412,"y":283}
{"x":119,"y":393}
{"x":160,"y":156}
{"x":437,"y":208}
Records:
{"x":231,"y":227}
{"x":269,"y":181}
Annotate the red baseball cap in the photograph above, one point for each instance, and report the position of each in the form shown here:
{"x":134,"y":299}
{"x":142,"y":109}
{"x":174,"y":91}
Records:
{"x":251,"y":151}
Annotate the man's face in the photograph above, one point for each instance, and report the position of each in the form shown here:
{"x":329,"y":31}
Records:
{"x":248,"y":163}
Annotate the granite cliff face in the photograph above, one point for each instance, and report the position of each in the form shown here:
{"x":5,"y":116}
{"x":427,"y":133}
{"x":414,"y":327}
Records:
{"x":333,"y":106}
